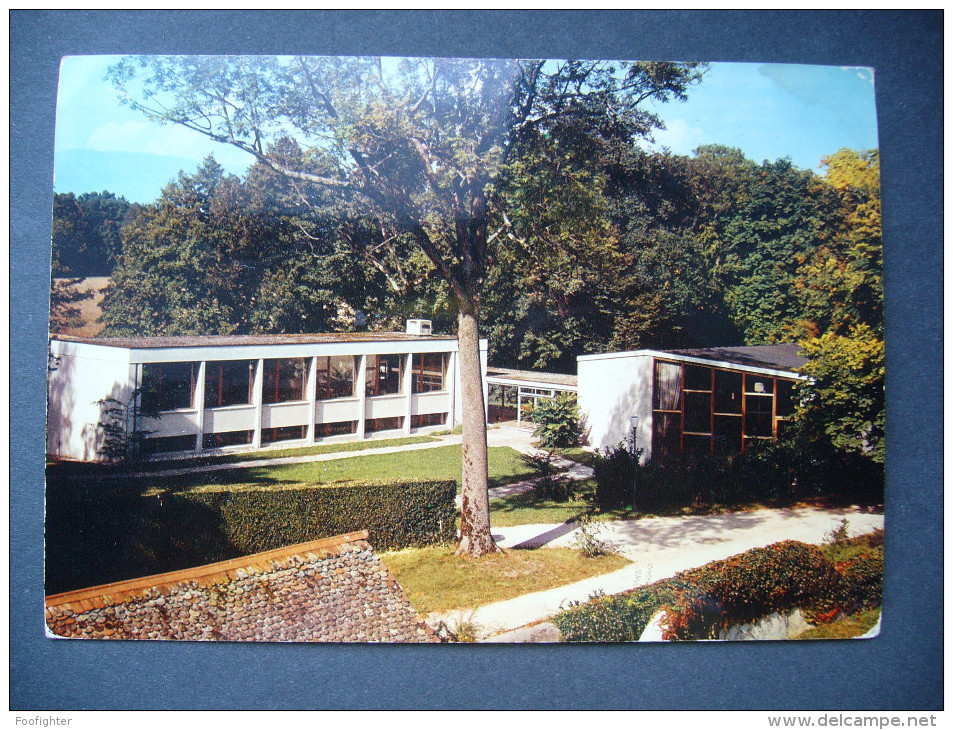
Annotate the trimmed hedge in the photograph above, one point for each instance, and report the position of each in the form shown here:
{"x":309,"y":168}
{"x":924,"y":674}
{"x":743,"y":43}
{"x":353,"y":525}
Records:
{"x":784,"y":471}
{"x":395,"y":514}
{"x":743,"y":588}
{"x":100,"y":537}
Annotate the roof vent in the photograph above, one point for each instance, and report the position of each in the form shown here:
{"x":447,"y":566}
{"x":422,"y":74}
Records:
{"x":419,"y":326}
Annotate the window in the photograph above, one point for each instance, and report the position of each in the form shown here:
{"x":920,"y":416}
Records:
{"x":384,"y":424}
{"x":501,"y":403}
{"x":668,"y":386}
{"x":168,"y":444}
{"x":698,"y":409}
{"x":340,"y":428}
{"x":168,"y":386}
{"x":383,"y":375}
{"x":666,"y":435}
{"x":786,"y":398}
{"x":759,"y":408}
{"x":285,"y":433}
{"x":335,"y":377}
{"x":285,"y":380}
{"x":428,"y":372}
{"x":428,"y":419}
{"x":726,"y":438}
{"x":728,"y":392}
{"x":227,"y":438}
{"x":229,"y":383}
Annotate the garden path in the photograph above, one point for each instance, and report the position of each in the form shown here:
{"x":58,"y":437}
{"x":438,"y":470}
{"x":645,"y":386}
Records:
{"x":659,"y":547}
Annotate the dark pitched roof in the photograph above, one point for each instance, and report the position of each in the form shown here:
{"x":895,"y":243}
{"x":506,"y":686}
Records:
{"x":334,"y":589}
{"x":785,"y":356}
{"x":146,"y":343}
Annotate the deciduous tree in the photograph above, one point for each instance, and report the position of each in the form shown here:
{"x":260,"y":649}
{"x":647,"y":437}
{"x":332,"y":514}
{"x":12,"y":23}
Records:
{"x":420,"y":143}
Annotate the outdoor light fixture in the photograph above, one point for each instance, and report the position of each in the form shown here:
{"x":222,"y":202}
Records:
{"x":634,"y":421}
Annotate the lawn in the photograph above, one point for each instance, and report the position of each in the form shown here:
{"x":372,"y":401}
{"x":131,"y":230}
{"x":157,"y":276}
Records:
{"x":441,"y":462}
{"x":77,"y":468}
{"x":528,"y":508}
{"x":435,"y":579}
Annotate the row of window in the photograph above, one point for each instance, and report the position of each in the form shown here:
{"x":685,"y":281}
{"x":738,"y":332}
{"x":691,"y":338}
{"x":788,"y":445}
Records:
{"x":169,"y":444}
{"x":701,"y":409}
{"x":171,"y":386}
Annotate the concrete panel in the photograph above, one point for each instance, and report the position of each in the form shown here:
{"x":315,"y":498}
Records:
{"x":172,"y":423}
{"x":436,"y":402}
{"x":387,"y":406}
{"x":231,"y":418}
{"x":335,"y":411}
{"x":285,"y":414}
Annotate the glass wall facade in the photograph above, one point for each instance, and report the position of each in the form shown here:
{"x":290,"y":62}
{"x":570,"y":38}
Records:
{"x":384,"y":376}
{"x":285,"y":380}
{"x":335,"y":377}
{"x":428,"y":373}
{"x":168,"y":386}
{"x":701,"y":409}
{"x":230,"y":383}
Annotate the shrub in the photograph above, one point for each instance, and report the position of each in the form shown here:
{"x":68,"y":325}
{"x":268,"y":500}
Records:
{"x":395,"y":514}
{"x":782,"y":471}
{"x":861,"y":582}
{"x":743,"y":588}
{"x":614,"y":618}
{"x":616,"y":470}
{"x":548,"y":485}
{"x":558,"y":422}
{"x":100,"y":537}
{"x":587,"y":539}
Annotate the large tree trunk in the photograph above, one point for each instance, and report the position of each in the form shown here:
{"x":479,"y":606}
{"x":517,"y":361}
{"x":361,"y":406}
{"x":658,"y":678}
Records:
{"x":475,"y":538}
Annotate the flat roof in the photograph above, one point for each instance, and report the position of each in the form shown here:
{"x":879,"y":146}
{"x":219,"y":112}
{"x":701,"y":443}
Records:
{"x":781,"y":358}
{"x":785,"y":356}
{"x":149,"y":343}
{"x":530,"y":376}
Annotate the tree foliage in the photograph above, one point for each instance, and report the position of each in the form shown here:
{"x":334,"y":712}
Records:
{"x":419,"y":144}
{"x":86,"y":233}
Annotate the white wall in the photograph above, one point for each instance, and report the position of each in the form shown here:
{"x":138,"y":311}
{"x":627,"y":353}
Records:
{"x":612,"y":389}
{"x":82,"y":375}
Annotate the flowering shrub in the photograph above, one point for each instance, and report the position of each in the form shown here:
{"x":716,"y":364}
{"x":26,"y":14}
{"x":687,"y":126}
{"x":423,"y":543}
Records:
{"x":742,"y":588}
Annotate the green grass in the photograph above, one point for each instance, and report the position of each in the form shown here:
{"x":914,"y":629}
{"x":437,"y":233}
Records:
{"x":76,"y":468}
{"x":434,"y":579}
{"x":441,"y":462}
{"x":527,"y":508}
{"x":846,"y":627}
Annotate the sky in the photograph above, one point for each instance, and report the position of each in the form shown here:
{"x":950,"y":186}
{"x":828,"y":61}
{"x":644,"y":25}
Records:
{"x":769,"y":111}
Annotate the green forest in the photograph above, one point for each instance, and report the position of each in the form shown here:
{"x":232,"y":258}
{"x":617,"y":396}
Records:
{"x":592,"y":244}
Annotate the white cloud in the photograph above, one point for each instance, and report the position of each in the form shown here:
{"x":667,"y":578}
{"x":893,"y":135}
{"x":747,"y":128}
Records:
{"x":679,"y":136}
{"x":145,"y":137}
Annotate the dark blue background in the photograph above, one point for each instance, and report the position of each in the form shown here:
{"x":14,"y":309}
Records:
{"x":900,"y":670}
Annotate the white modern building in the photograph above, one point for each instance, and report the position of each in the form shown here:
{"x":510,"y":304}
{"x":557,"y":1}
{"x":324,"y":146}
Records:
{"x":713,"y":400}
{"x":191,"y":395}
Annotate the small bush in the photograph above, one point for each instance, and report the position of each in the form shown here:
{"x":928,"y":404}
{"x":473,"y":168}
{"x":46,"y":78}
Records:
{"x":587,"y":539}
{"x":558,"y":422}
{"x":549,"y":486}
{"x":616,"y":471}
{"x":862,"y":582}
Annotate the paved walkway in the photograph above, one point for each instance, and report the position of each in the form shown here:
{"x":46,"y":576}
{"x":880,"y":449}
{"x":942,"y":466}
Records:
{"x":659,"y":547}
